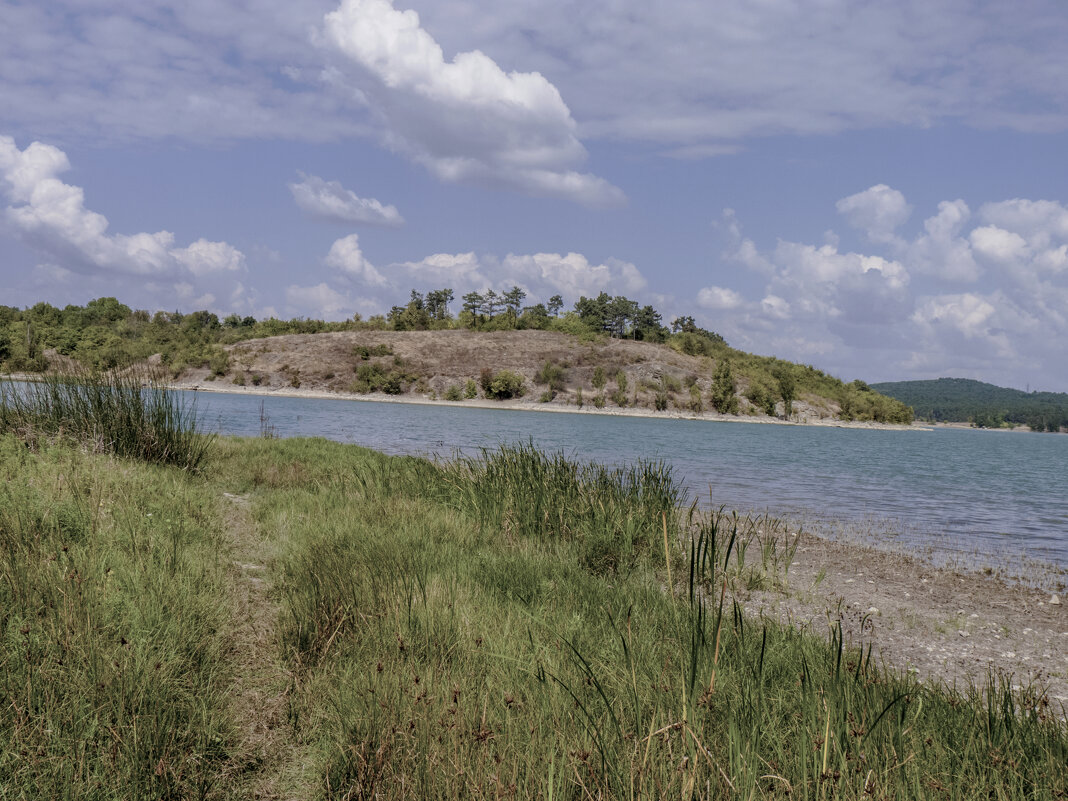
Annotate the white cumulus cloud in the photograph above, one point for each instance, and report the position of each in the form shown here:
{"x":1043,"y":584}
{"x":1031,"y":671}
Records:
{"x":50,"y":216}
{"x":464,"y":119}
{"x":998,"y":245}
{"x":329,"y":200}
{"x":719,"y":298}
{"x":320,"y":301}
{"x":878,"y":211}
{"x":942,"y":252}
{"x":345,"y":255}
{"x":540,"y":275}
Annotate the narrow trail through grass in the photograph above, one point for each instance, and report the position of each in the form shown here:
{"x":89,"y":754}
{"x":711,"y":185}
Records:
{"x":268,"y":760}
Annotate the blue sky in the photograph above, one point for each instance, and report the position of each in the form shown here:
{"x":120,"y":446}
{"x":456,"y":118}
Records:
{"x":878,"y":189}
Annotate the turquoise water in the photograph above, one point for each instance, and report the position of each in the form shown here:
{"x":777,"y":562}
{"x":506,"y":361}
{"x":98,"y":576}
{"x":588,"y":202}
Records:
{"x":949,"y":490}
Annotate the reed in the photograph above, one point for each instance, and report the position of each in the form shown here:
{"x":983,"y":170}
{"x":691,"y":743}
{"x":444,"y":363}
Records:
{"x":129,"y":414}
{"x":613,"y":515}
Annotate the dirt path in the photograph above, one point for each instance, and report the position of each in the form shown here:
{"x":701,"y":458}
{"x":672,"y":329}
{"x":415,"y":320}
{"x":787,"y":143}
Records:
{"x":942,"y":624}
{"x":268,"y":763}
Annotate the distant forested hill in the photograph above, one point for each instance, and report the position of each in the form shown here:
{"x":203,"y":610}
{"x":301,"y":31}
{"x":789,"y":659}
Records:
{"x":985,"y":405}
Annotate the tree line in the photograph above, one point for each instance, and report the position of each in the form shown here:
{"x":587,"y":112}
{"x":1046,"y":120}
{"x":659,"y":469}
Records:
{"x":964,"y":400}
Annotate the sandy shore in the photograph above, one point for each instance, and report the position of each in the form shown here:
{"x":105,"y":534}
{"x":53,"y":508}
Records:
{"x":534,"y":406}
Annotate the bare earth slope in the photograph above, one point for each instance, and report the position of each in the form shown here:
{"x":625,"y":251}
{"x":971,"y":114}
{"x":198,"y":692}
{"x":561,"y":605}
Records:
{"x":432,"y":361}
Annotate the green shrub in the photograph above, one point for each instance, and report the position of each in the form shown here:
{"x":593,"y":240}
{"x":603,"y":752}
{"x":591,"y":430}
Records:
{"x":364,"y":353}
{"x":761,"y":396}
{"x":721,"y":395}
{"x":553,"y":375}
{"x":470,"y":389}
{"x":696,"y":404}
{"x":599,"y":378}
{"x":502,"y":385}
{"x":219,"y":362}
{"x":454,"y":393}
{"x":598,"y":400}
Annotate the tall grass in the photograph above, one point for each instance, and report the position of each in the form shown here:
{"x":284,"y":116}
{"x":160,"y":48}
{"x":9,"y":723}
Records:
{"x":451,"y":638}
{"x":112,"y":603}
{"x":128,"y":414}
{"x":613,"y":515}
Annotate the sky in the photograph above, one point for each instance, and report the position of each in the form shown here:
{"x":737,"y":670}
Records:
{"x":877,"y":189}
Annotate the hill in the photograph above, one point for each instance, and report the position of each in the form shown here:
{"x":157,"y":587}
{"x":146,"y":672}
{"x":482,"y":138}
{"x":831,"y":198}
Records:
{"x":607,"y":353}
{"x":984,"y":405}
{"x":554,"y":368}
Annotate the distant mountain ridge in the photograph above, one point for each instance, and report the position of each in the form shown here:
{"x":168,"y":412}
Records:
{"x":964,"y":400}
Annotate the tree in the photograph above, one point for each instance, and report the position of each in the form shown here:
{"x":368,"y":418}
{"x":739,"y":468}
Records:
{"x":683,"y":324}
{"x":599,"y":378}
{"x":647,"y":325}
{"x":554,"y":305}
{"x":513,"y":301}
{"x":492,"y":303}
{"x":593,"y":311}
{"x":105,"y":310}
{"x":721,"y":395}
{"x":536,"y":317}
{"x":473,"y":303}
{"x":787,"y":388}
{"x":413,"y":317}
{"x":437,"y":303}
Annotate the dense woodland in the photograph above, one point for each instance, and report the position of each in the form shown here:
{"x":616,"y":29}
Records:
{"x":984,"y":405}
{"x":105,"y":334}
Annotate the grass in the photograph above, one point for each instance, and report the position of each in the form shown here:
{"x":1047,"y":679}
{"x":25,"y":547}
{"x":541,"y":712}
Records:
{"x":476,"y":650}
{"x":514,"y":625}
{"x":127,"y":414}
{"x":112,"y":676}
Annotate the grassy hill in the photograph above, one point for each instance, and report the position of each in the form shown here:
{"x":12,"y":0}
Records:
{"x":984,"y":405}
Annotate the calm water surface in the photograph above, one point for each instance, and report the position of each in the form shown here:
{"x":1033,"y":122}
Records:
{"x":950,"y":490}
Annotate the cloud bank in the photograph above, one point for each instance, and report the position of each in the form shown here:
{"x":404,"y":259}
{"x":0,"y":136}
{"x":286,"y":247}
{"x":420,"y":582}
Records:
{"x":693,"y":82}
{"x":911,"y":310}
{"x":50,"y":217}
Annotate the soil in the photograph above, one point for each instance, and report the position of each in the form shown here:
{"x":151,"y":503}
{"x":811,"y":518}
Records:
{"x":945,"y":625}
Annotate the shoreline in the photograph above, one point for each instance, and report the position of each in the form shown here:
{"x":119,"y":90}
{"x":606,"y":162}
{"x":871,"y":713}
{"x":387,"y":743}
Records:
{"x":944,"y":625}
{"x":534,"y":406}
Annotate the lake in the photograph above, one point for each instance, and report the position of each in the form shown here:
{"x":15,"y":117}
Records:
{"x":980,"y":494}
